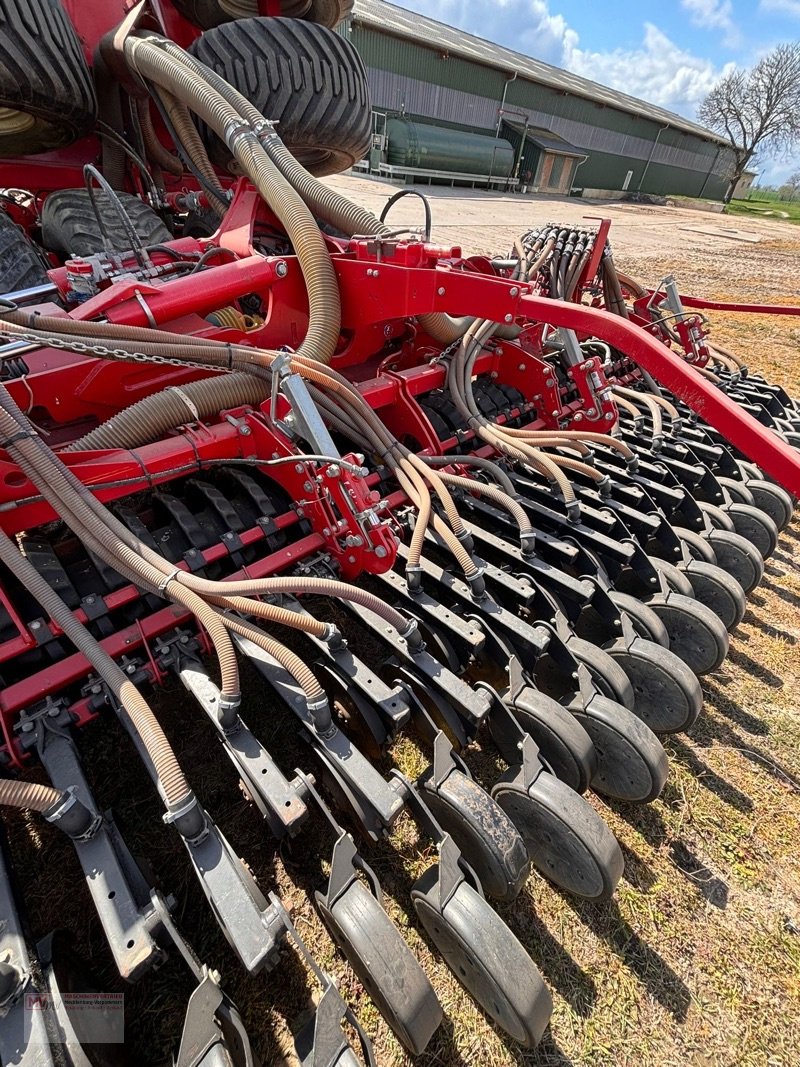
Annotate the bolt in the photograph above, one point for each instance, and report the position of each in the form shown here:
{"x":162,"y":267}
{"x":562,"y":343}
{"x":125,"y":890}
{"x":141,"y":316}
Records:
{"x":550,"y":383}
{"x":521,"y":366}
{"x":554,"y":414}
{"x":591,"y":413}
{"x":36,"y":625}
{"x":326,"y":532}
{"x":589,"y":364}
{"x":509,"y":318}
{"x":90,"y":599}
{"x":493,"y":374}
{"x":300,"y":513}
{"x":441,"y":290}
{"x":369,"y":272}
{"x":244,"y":430}
{"x":609,"y":417}
{"x":281,"y":269}
{"x":228,"y":535}
{"x":307,"y":486}
{"x":381,"y":552}
{"x":514,"y":291}
{"x":27,"y":727}
{"x":299,"y":468}
{"x":131,"y":668}
{"x":351,"y":559}
{"x":53,"y":712}
{"x":334,"y":470}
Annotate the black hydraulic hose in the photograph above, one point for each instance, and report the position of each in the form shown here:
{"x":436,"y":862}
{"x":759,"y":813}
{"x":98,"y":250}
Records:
{"x":411,"y":192}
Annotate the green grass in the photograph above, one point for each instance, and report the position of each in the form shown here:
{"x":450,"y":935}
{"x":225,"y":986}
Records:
{"x":780,"y":210}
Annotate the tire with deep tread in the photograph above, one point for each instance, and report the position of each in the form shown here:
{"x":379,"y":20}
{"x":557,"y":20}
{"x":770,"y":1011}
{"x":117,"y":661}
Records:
{"x":47,"y":98}
{"x":69,"y":224}
{"x":209,"y":13}
{"x":20,"y":265}
{"x":308,"y":79}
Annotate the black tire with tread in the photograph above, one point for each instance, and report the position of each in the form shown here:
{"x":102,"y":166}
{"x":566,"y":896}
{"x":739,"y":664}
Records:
{"x":47,"y":99}
{"x":209,"y":13}
{"x":306,"y":78}
{"x":20,"y":265}
{"x":69,"y":224}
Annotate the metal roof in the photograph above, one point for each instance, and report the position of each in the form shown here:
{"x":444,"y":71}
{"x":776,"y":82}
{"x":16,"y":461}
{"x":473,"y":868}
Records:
{"x":545,"y":139}
{"x":400,"y":22}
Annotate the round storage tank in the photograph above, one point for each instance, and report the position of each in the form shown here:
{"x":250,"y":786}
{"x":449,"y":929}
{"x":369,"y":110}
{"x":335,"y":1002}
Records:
{"x":424,"y":147}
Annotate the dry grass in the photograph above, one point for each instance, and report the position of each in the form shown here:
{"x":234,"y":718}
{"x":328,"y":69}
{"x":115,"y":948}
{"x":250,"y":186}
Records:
{"x":696,"y":961}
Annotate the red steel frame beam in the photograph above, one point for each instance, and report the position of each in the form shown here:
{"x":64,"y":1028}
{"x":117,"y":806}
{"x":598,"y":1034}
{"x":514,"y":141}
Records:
{"x":748,"y":309}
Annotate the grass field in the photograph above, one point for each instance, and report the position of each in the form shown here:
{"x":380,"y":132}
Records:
{"x":785,"y":210}
{"x":695,"y":963}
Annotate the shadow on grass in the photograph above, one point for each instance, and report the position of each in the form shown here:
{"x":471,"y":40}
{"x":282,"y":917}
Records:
{"x":712,"y":781}
{"x":661,"y":982}
{"x":783,"y":594}
{"x":713,"y":888}
{"x":767,"y":628}
{"x":716,"y":733}
{"x":758,"y":670}
{"x":733,"y":710}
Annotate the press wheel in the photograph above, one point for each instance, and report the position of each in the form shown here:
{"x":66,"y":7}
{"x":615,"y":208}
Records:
{"x":773,"y":500}
{"x":696,"y":634}
{"x":385,"y":965}
{"x":699,"y":547}
{"x":668,"y":694}
{"x":676,"y":580}
{"x":738,"y":556}
{"x":566,"y":839}
{"x":488,"y":840}
{"x":631,"y":762}
{"x":756,"y":526}
{"x":719,"y":591}
{"x":606,"y":673}
{"x":565,"y":745}
{"x":486,"y":958}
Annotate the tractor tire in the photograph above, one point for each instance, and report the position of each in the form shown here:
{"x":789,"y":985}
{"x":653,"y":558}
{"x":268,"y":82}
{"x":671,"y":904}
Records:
{"x":305,"y":77}
{"x":47,"y":99}
{"x":20,"y":264}
{"x":210,"y":13}
{"x":69,"y":224}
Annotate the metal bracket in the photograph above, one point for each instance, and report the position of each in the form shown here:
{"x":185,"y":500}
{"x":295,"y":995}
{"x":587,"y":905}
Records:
{"x":308,"y":423}
{"x":117,"y":887}
{"x":373,"y":798}
{"x":278,"y":800}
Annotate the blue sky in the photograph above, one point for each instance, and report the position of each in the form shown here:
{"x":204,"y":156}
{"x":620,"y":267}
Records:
{"x":669,"y":53}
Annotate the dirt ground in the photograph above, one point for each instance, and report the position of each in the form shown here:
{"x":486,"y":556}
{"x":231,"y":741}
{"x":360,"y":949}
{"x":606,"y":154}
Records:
{"x":697,"y":959}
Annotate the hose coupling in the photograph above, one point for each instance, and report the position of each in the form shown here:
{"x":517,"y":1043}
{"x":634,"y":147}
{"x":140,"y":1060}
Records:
{"x":412,"y":636}
{"x":465,"y":537}
{"x":604,"y":485}
{"x":528,"y":542}
{"x":573,"y":511}
{"x":189,"y":819}
{"x":334,"y":638}
{"x":320,"y":711}
{"x":414,"y":579}
{"x":72,"y":816}
{"x":477,"y":583}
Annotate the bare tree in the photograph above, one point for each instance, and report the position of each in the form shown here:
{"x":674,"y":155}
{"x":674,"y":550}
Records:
{"x":758,"y":110}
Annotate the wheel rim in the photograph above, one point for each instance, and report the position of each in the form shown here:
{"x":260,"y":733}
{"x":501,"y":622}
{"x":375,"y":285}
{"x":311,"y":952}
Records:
{"x":696,"y":635}
{"x":668,"y":695}
{"x":757,"y":527}
{"x":13,"y":122}
{"x":567,"y":841}
{"x":631,"y":762}
{"x":719,"y":591}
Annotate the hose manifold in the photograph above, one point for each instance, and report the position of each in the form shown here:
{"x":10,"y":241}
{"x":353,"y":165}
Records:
{"x":189,"y":819}
{"x":477,"y":584}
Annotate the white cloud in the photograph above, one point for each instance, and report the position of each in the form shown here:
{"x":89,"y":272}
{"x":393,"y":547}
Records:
{"x":715,"y":15}
{"x":658,"y":70}
{"x":783,"y":7}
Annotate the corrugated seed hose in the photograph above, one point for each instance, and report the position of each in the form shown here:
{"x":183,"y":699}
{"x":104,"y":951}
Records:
{"x":28,"y":795}
{"x":172,"y":782}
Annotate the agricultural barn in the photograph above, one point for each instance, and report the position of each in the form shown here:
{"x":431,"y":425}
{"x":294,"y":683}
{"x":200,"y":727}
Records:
{"x":450,"y":106}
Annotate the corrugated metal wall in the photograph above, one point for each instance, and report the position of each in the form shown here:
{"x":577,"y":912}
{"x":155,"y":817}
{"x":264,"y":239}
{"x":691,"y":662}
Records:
{"x":418,"y":80}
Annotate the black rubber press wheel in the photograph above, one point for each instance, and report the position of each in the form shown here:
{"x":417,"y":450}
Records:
{"x":631,"y":762}
{"x":738,"y":556}
{"x":696,"y":634}
{"x":668,"y":694}
{"x":718,"y":590}
{"x":387,"y":967}
{"x":567,"y":841}
{"x":486,"y":958}
{"x":488,"y":840}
